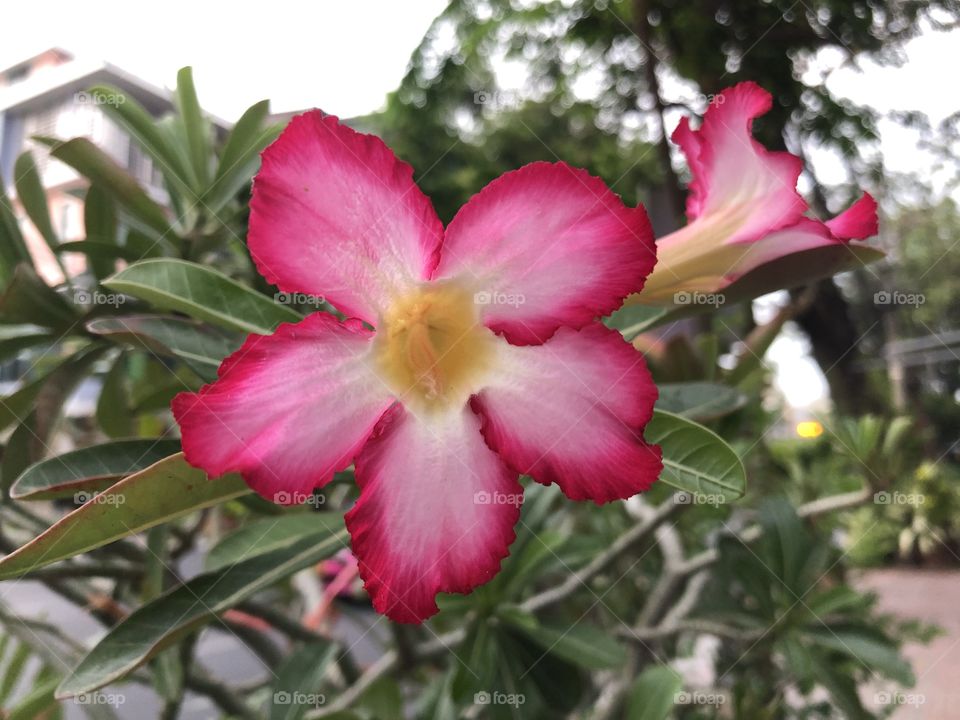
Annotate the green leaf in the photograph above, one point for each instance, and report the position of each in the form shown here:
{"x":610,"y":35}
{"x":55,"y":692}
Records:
{"x":103,"y":253}
{"x":696,"y":459}
{"x":28,"y":442}
{"x":241,"y":155}
{"x":877,"y":654}
{"x":169,"y":157}
{"x":202,"y":293}
{"x":184,"y":609}
{"x":200,"y":346}
{"x":34,"y":200}
{"x":29,"y":300}
{"x":37,"y":407}
{"x":270,"y":533}
{"x":90,"y":469}
{"x":100,"y":169}
{"x":579,"y":644}
{"x":383,"y":700}
{"x":114,"y":414}
{"x":100,"y":216}
{"x":12,"y":346}
{"x":801,"y":268}
{"x":632,"y":320}
{"x":13,"y":249}
{"x":842,"y":688}
{"x":653,"y":694}
{"x":13,"y":670}
{"x":16,"y":407}
{"x":699,"y":401}
{"x":160,"y":493}
{"x":299,"y":681}
{"x":39,"y":702}
{"x":196,"y":125}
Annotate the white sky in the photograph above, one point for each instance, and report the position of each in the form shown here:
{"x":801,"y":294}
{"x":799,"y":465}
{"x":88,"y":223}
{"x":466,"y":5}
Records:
{"x":340,"y":56}
{"x":345,"y":57}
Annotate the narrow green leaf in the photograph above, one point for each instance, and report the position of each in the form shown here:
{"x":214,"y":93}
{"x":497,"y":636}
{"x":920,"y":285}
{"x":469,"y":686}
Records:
{"x":699,"y":401}
{"x":16,"y":407}
{"x":162,"y":492}
{"x":169,"y":157}
{"x":13,"y":249}
{"x":39,"y":702}
{"x":632,"y":320}
{"x":696,"y":459}
{"x":29,"y":300}
{"x":866,"y":649}
{"x":201,"y":347}
{"x":579,"y":644}
{"x":186,"y":608}
{"x":241,"y":155}
{"x":12,"y":346}
{"x":202,"y":293}
{"x":270,"y":533}
{"x":34,"y":200}
{"x":90,"y":469}
{"x":801,"y":268}
{"x":653,"y":694}
{"x":100,"y":169}
{"x":196,"y":125}
{"x":114,"y":414}
{"x":13,"y":671}
{"x":101,"y":253}
{"x":300,"y":680}
{"x":145,"y":247}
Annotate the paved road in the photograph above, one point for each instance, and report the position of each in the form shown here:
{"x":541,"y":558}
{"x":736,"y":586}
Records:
{"x":934,"y":597}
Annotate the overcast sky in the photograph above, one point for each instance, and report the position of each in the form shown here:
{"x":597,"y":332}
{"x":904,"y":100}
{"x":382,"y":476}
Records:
{"x":341,"y":56}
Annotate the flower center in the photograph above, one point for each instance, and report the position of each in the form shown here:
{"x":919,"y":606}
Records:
{"x":431,"y":348}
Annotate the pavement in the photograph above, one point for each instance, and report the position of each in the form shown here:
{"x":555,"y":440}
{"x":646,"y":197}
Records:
{"x":932,"y":596}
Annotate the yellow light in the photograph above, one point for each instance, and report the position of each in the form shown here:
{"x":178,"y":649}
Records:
{"x":809,"y":429}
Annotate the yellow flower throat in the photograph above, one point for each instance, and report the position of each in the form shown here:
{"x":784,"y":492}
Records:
{"x":431,"y":348}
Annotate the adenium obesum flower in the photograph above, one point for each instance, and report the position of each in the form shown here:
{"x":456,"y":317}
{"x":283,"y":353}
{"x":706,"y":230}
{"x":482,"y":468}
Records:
{"x":743,"y":205}
{"x":472,"y":354}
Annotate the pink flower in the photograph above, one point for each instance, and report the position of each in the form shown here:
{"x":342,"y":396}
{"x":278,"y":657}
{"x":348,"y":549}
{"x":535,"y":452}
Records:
{"x":486,"y":359}
{"x":743,"y":206}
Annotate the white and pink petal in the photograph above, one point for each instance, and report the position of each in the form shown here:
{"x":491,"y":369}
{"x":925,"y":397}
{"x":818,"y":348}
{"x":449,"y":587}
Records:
{"x":288,"y":410}
{"x":572,"y":412}
{"x":546,"y":246}
{"x":436,"y":512}
{"x":744,"y":187}
{"x":335,"y":214}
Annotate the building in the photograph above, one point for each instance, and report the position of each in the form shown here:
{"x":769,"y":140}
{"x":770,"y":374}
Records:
{"x":47,"y":94}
